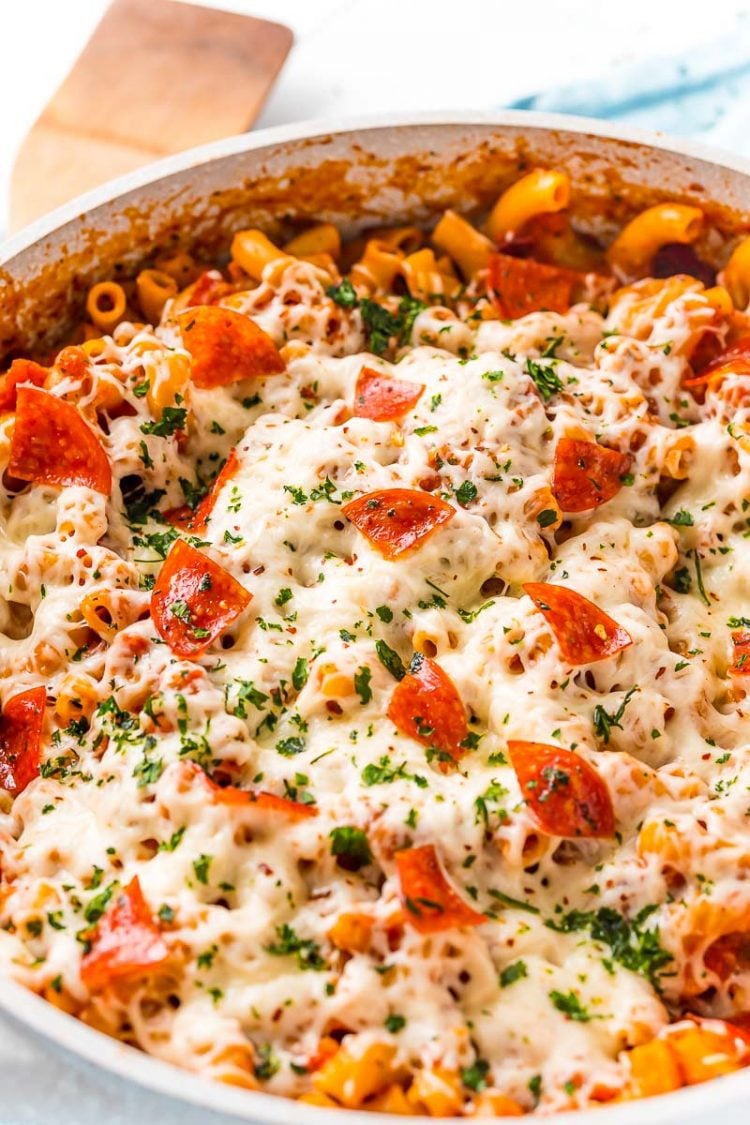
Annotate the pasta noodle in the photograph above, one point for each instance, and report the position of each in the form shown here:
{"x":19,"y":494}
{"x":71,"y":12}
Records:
{"x":540,"y":192}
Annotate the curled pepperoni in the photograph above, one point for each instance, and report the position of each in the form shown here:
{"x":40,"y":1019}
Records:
{"x":426,"y":706}
{"x":196,"y":520}
{"x":584,"y":633}
{"x":566,"y":795}
{"x":518,"y":286}
{"x":728,"y":955}
{"x":241,"y":798}
{"x":734,"y":360}
{"x":397,"y":520}
{"x":740,"y":654}
{"x":20,"y":371}
{"x":52,"y":444}
{"x":226,"y":346}
{"x":430,"y":902}
{"x":383,"y":398}
{"x":194,"y":600}
{"x":20,"y":739}
{"x":209,"y":288}
{"x":586,"y":475}
{"x":126,"y":941}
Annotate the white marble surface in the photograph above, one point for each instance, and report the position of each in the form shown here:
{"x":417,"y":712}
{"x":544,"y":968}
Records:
{"x":351,"y":57}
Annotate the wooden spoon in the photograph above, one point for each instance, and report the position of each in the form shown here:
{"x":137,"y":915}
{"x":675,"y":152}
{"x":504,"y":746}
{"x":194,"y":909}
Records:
{"x":156,"y":77}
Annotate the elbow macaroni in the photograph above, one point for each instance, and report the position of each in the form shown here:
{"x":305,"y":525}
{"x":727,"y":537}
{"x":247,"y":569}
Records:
{"x":541,"y":192}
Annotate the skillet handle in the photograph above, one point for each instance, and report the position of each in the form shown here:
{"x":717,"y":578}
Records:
{"x":155,"y":78}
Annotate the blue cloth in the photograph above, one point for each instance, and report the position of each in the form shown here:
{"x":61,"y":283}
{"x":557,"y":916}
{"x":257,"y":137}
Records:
{"x":704,"y":93}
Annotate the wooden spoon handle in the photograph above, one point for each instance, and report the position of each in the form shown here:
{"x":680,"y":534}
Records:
{"x":156,"y":77}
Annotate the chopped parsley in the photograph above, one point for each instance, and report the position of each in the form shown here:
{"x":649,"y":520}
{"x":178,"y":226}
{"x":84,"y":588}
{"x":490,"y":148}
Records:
{"x":682,"y":518}
{"x":545,"y":378}
{"x":288,"y":747}
{"x":344,"y":294}
{"x":201,"y":866}
{"x":570,"y":1005}
{"x":289,"y":944}
{"x":466,"y":492}
{"x":362,"y":687}
{"x":351,"y":847}
{"x":383,"y":773}
{"x":173,"y":418}
{"x":511,"y":973}
{"x":300,"y":673}
{"x":632,"y":945}
{"x":266,"y":1062}
{"x":390,"y":660}
{"x":604,"y":721}
{"x":546,"y":517}
{"x":474,"y":1077}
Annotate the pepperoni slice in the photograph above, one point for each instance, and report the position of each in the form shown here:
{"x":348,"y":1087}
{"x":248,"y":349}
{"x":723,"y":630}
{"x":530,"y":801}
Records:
{"x":20,"y":371}
{"x":734,"y":360}
{"x":383,"y":398}
{"x":190,"y":519}
{"x":52,"y":444}
{"x":430,"y":902}
{"x":241,"y":798}
{"x":126,"y":941}
{"x":566,"y":795}
{"x":194,"y":600}
{"x":73,"y":362}
{"x":584,"y":633}
{"x":398,"y":520}
{"x":226,"y":346}
{"x":20,"y":739}
{"x":209,"y":288}
{"x":426,"y":706}
{"x":586,"y":474}
{"x":740,"y":654}
{"x":728,"y":955}
{"x":518,"y":286}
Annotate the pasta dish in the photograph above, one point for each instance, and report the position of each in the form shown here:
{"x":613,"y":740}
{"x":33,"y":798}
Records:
{"x":375,"y":658}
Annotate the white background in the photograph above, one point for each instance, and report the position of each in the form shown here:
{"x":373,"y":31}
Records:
{"x":364,"y":56}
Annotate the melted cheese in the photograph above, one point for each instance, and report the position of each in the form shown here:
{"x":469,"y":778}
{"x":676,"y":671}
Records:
{"x":111,"y":802}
